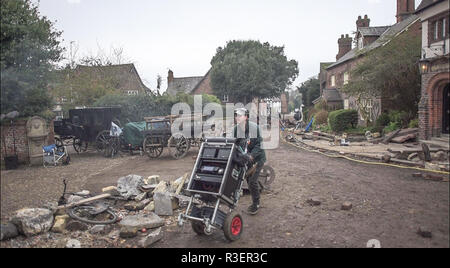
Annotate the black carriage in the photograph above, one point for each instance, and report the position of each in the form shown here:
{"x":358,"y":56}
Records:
{"x":158,"y":135}
{"x":86,"y":126}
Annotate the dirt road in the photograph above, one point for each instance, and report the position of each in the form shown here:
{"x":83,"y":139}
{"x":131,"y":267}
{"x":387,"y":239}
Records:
{"x":388,"y":204}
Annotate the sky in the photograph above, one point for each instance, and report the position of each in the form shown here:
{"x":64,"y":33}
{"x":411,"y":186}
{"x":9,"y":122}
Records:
{"x":183,"y":35}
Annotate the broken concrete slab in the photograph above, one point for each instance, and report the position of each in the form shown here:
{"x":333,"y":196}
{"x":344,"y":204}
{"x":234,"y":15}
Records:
{"x":135,"y":206}
{"x":404,"y":138}
{"x":154,"y":179}
{"x":128,"y":186}
{"x":151,"y":238}
{"x":163,"y":204}
{"x":140,"y":221}
{"x":33,"y":221}
{"x":162,"y":187}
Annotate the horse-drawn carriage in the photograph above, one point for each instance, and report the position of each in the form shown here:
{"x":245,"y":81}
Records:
{"x":158,"y":135}
{"x":86,"y":126}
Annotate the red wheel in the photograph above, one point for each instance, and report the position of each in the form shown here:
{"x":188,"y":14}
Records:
{"x":233,"y":226}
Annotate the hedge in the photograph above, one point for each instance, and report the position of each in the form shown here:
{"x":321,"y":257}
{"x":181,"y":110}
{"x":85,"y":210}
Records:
{"x":341,"y":120}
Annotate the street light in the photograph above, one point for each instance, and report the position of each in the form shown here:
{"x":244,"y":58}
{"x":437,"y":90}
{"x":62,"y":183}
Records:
{"x":424,"y":66}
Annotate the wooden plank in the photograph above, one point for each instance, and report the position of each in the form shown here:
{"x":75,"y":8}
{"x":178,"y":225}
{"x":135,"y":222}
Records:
{"x":391,"y":135}
{"x":84,"y":201}
{"x":181,"y":184}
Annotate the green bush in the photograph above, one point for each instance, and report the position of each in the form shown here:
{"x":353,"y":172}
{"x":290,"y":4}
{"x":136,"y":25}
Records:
{"x":399,"y":117}
{"x":341,"y":120}
{"x":321,"y":117}
{"x":391,"y":127}
{"x":414,"y":123}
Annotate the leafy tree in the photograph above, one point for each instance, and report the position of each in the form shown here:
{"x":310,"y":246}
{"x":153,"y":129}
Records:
{"x":389,"y":72}
{"x":244,"y":70}
{"x":310,"y":90}
{"x":29,"y":51}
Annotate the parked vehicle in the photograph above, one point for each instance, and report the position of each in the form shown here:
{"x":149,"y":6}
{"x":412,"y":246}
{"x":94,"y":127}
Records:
{"x":86,"y":126}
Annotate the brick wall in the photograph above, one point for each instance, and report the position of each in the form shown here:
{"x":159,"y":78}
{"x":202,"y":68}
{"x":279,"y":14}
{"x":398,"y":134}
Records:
{"x":431,"y":104}
{"x":17,"y":133}
{"x":204,"y":87}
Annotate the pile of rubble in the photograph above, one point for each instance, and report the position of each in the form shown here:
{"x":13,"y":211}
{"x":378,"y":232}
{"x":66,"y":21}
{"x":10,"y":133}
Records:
{"x":143,"y":205}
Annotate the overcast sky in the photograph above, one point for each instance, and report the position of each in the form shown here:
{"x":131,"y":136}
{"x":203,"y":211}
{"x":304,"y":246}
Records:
{"x":183,"y":35}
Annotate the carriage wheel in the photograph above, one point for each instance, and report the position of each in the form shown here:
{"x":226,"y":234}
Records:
{"x":153,"y":146}
{"x":233,"y":226}
{"x":178,"y":146}
{"x":101,"y":141}
{"x":79,"y":146}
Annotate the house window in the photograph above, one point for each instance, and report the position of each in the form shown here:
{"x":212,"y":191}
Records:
{"x":444,"y":25}
{"x":436,"y":30}
{"x":346,"y":104}
{"x":333,"y":81}
{"x":345,"y":78}
{"x":225,"y":98}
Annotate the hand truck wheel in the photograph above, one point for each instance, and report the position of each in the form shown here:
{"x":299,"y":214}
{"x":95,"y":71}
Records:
{"x":233,"y":226}
{"x":199,"y":228}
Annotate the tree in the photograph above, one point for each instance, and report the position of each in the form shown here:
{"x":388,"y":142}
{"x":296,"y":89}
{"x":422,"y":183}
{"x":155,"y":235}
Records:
{"x":249,"y":69}
{"x":310,"y":90}
{"x":29,"y":50}
{"x":389,"y":73}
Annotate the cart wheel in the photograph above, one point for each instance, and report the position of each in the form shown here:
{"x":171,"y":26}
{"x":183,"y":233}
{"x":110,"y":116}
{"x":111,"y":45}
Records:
{"x":178,"y":146}
{"x":153,"y":146}
{"x":233,"y":226}
{"x":101,"y":141}
{"x":79,"y":146}
{"x":198,"y":227}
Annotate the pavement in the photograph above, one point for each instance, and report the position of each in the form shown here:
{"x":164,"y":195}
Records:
{"x":404,"y":154}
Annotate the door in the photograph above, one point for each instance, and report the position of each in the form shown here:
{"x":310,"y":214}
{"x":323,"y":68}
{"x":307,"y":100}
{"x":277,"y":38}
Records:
{"x":446,"y":110}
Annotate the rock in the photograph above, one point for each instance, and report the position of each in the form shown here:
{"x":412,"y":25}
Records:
{"x":33,"y":221}
{"x":432,"y":166}
{"x":424,"y":232}
{"x":98,"y":229}
{"x":346,"y":206}
{"x":439,"y":156}
{"x":150,"y":206}
{"x":151,"y":238}
{"x":417,"y":175}
{"x":161,"y":188}
{"x":386,"y":158}
{"x":76,"y":226}
{"x":314,"y":201}
{"x":111,"y":189}
{"x":74,"y":198}
{"x":128,"y":232}
{"x":7,"y":231}
{"x":52,"y":206}
{"x":154,"y":179}
{"x":128,"y":186}
{"x":141,"y":221}
{"x":60,"y":223}
{"x":163,"y":204}
{"x":73,"y":243}
{"x":426,"y":152}
{"x":135,"y":206}
{"x":140,"y":197}
{"x":433,"y":177}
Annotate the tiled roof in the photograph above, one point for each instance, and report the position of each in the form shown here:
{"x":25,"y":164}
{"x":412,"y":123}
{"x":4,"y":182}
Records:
{"x":183,"y":84}
{"x":373,"y":31}
{"x":384,"y":38}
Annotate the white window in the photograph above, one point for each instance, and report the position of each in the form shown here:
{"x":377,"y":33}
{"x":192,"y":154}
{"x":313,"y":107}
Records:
{"x":444,"y":22}
{"x":346,"y":104}
{"x":333,"y":81}
{"x":346,"y":78}
{"x":225,"y":98}
{"x":436,"y":30}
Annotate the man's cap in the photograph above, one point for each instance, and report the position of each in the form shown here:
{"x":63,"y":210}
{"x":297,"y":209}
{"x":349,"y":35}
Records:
{"x":241,"y":111}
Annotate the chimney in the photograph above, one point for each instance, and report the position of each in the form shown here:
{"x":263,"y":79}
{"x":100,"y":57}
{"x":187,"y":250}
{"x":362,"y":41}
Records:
{"x":404,"y":9}
{"x":170,"y":77}
{"x":362,"y":22}
{"x":345,"y":45}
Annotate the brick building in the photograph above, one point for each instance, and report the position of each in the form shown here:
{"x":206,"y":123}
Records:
{"x":434,"y":105}
{"x":367,"y":38}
